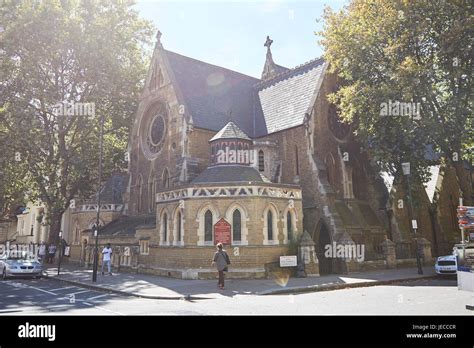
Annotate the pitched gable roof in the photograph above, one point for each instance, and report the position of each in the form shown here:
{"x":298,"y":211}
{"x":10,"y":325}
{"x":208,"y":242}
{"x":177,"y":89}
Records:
{"x":285,"y":99}
{"x":230,"y":131}
{"x":211,"y":92}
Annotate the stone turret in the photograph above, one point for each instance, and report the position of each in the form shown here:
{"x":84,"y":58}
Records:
{"x":231,"y":146}
{"x":270,"y":69}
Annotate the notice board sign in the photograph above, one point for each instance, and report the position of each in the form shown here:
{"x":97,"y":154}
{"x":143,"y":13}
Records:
{"x":222,"y":232}
{"x":288,"y":261}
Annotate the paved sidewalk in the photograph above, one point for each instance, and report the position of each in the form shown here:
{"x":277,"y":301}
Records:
{"x":155,"y":287}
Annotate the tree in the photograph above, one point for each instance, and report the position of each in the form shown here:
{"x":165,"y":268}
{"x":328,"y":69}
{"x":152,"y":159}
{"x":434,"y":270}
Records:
{"x":13,"y":181}
{"x":399,"y":56}
{"x":88,"y":56}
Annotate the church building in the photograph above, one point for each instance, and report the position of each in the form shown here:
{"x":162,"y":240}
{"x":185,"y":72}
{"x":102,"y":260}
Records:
{"x":266,"y":160}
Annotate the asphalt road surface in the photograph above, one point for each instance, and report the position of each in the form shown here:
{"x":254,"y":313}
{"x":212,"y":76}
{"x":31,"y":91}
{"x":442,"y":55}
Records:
{"x":423,"y":297}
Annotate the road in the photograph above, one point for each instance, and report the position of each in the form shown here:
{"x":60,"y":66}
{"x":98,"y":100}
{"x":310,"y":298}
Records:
{"x":423,"y":297}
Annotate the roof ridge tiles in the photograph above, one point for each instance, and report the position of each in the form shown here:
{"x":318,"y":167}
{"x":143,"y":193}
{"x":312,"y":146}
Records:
{"x":290,"y":72}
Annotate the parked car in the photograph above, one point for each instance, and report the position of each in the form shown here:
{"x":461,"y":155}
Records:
{"x":465,"y":255}
{"x":446,"y":265}
{"x":18,"y":266}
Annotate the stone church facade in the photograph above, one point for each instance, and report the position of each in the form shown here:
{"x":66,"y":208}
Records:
{"x":268,"y":155}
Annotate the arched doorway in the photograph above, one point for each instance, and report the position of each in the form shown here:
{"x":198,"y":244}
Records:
{"x":322,"y":238}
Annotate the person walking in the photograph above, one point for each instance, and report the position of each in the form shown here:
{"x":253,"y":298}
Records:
{"x":42,"y":252}
{"x":51,"y":252}
{"x":107,"y":255}
{"x":221,"y":260}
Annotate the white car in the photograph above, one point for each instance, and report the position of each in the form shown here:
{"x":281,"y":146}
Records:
{"x":446,"y":265}
{"x":11,"y":266}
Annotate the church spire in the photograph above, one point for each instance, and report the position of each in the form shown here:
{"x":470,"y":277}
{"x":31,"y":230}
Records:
{"x":158,"y":40}
{"x":270,"y":69}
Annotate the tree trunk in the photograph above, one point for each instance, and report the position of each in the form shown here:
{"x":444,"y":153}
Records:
{"x":55,"y":228}
{"x":464,"y":180}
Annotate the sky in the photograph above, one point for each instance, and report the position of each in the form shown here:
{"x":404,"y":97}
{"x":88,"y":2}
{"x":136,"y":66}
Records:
{"x":231,"y":34}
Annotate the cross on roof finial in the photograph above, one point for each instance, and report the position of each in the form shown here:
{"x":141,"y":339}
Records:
{"x":158,"y":37}
{"x":230,"y":115}
{"x":268,"y":43}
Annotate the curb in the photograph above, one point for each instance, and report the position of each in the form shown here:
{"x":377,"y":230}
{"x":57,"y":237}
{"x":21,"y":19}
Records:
{"x":340,"y":286}
{"x":124,"y":293}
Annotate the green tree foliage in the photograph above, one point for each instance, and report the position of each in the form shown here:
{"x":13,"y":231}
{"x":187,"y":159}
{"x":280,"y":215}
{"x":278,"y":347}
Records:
{"x":76,"y":52}
{"x":418,"y":51}
{"x":13,"y":183}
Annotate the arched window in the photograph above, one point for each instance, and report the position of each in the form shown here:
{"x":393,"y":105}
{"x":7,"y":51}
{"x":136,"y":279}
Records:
{"x":240,"y":154}
{"x":178,"y":221}
{"x":166,"y":179}
{"x":213,"y":154}
{"x":261,"y":161}
{"x":165,"y":227}
{"x":297,"y":161}
{"x":150,"y":195}
{"x":236,"y":226}
{"x":208,"y":223}
{"x":152,"y":84}
{"x":76,"y":235}
{"x":160,"y":78}
{"x":270,"y":225}
{"x":331,"y":170}
{"x":140,"y":194}
{"x":289,"y":226}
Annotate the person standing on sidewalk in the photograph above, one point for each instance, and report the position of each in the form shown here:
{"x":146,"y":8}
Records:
{"x":107,"y":255}
{"x":42,"y":252}
{"x":51,"y":253}
{"x":221,"y":259}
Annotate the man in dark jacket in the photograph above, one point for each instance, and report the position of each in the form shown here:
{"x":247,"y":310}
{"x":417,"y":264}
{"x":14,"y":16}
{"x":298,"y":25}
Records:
{"x":221,"y":260}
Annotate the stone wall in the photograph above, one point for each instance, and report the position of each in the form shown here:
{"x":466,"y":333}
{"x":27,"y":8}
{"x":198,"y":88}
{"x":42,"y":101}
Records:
{"x":82,"y":221}
{"x":253,"y":209}
{"x":173,"y":144}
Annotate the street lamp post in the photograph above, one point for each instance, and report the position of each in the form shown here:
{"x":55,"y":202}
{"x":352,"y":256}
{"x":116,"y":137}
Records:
{"x":462,"y":229}
{"x":96,"y":230}
{"x":414,"y":225}
{"x":60,"y":250}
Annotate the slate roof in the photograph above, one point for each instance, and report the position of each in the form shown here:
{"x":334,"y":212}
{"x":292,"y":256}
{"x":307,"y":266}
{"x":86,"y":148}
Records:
{"x":286,"y":98}
{"x":227,"y":174}
{"x":212,"y":92}
{"x":230,"y":131}
{"x":258,"y":107}
{"x":127,"y":225}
